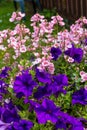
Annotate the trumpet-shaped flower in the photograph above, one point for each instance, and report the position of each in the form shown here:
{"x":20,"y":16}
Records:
{"x":75,"y":53}
{"x":24,"y":84}
{"x":47,"y":111}
{"x":56,"y":52}
{"x":80,"y":97}
{"x":43,"y":76}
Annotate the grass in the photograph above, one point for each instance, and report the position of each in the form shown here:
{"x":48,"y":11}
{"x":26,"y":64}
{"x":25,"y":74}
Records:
{"x":6,"y":9}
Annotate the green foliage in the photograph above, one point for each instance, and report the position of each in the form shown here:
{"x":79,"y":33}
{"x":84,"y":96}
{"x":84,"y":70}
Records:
{"x":48,"y":13}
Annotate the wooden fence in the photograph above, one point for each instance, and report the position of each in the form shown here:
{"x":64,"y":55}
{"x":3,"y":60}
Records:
{"x":72,"y":9}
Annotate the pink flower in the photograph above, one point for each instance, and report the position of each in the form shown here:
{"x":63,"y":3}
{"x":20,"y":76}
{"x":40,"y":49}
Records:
{"x":71,"y":60}
{"x":83,"y":76}
{"x":61,"y":23}
{"x":23,"y":48}
{"x":82,"y":73}
{"x":21,"y":14}
{"x":36,"y":54}
{"x":16,"y":16}
{"x":20,"y":67}
{"x":85,"y":87}
{"x":45,"y":63}
{"x":51,"y":68}
{"x":11,"y":19}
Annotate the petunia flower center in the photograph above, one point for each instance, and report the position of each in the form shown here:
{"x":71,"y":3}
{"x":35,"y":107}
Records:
{"x":49,"y":111}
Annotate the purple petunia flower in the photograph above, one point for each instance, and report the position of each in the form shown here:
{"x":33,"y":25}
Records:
{"x":8,"y":113}
{"x":65,"y":120}
{"x":80,"y":97}
{"x":24,"y":84}
{"x":33,"y":105}
{"x":42,"y":91}
{"x":75,"y":53}
{"x":3,"y":126}
{"x":85,"y":41}
{"x":43,"y":76}
{"x":4,"y":72}
{"x":60,"y":124}
{"x":21,"y":125}
{"x":56,"y":52}
{"x":3,"y":87}
{"x":59,"y":81}
{"x":9,"y":116}
{"x":47,"y":111}
{"x":11,"y":127}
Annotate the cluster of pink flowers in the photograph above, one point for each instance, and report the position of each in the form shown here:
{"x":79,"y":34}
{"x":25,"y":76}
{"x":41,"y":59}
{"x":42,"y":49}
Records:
{"x":83,"y":76}
{"x":42,"y":39}
{"x":16,"y":16}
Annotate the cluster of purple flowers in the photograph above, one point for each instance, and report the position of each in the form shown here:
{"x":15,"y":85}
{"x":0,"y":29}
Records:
{"x":25,"y":86}
{"x":10,"y":120}
{"x":80,"y":97}
{"x":56,"y":52}
{"x":3,"y":85}
{"x":75,"y":53}
{"x":46,"y":110}
{"x":4,"y":72}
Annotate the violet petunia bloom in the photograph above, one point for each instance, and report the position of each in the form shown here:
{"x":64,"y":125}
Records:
{"x":65,"y":120}
{"x":4,"y":126}
{"x":47,"y":111}
{"x":61,"y":79}
{"x":3,"y":87}
{"x":42,"y":91}
{"x":85,"y":41}
{"x":21,"y":125}
{"x":60,"y":124}
{"x":24,"y":84}
{"x":10,"y":115}
{"x":10,"y":120}
{"x":58,"y":84}
{"x":43,"y":76}
{"x":75,"y":53}
{"x":56,"y":52}
{"x":33,"y":105}
{"x":4,"y":72}
{"x":80,"y":97}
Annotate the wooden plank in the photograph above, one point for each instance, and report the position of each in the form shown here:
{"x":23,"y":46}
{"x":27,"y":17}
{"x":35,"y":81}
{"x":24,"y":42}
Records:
{"x":74,"y":8}
{"x":44,"y":3}
{"x":57,"y":5}
{"x":61,"y":6}
{"x":70,"y":5}
{"x":48,"y":4}
{"x":53,"y":1}
{"x":79,"y":8}
{"x":70,"y":8}
{"x":67,"y":7}
{"x":84,"y":7}
{"x":51,"y":4}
